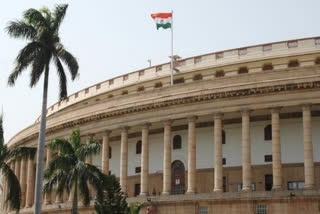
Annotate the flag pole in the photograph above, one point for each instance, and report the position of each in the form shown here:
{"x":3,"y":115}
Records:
{"x":171,"y":70}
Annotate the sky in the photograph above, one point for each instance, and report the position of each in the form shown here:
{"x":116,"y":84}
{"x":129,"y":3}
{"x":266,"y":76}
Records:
{"x":110,"y":38}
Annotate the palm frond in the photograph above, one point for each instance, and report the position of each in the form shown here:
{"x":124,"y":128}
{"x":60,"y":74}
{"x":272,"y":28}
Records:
{"x":34,"y":18}
{"x":62,"y":79}
{"x":22,"y":152}
{"x":21,"y":30}
{"x":14,"y":192}
{"x":69,"y":60}
{"x":1,"y":131}
{"x":38,"y":66}
{"x":62,"y":145}
{"x":75,"y":139}
{"x":87,"y":150}
{"x":58,"y":16}
{"x":59,"y":163}
{"x":84,"y":192}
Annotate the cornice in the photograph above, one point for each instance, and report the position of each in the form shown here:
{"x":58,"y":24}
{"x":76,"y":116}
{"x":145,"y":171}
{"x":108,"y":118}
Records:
{"x":290,"y":87}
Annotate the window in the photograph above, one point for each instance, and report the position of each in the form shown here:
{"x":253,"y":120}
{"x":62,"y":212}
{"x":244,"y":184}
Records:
{"x":124,"y":92}
{"x":158,"y":68}
{"x":110,"y":152}
{"x":110,"y":95}
{"x":242,"y":51}
{"x":268,"y":158}
{"x":267,"y":47}
{"x":137,"y":189}
{"x":177,"y":142}
{"x":223,"y":137}
{"x":181,"y":63}
{"x":267,"y":67}
{"x":141,"y":73}
{"x":197,"y":59}
{"x":317,"y":61}
{"x":295,"y":185}
{"x":219,"y":55}
{"x":197,"y":77}
{"x":138,"y":147}
{"x":125,"y":77}
{"x":317,"y":41}
{"x":293,"y":44}
{"x":178,"y":81}
{"x":293,"y":63}
{"x":98,"y":86}
{"x":138,"y":169}
{"x":158,"y":85}
{"x":224,"y":183}
{"x":110,"y":82}
{"x":224,"y":161}
{"x":203,"y":210}
{"x":86,"y":91}
{"x":219,"y":73}
{"x":261,"y":209}
{"x":268,"y":132}
{"x":76,"y":95}
{"x":239,"y":187}
{"x":141,"y":88}
{"x":243,"y":70}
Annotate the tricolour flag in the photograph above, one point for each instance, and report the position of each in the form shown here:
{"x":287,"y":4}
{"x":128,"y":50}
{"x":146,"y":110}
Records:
{"x":163,"y":20}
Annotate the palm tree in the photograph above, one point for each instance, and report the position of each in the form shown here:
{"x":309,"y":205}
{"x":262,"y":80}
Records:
{"x":135,"y":208}
{"x":41,"y":29}
{"x":69,"y":171}
{"x":13,"y":196}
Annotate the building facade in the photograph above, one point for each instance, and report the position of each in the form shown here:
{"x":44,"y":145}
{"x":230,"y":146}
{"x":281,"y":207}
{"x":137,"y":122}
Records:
{"x":238,"y":132}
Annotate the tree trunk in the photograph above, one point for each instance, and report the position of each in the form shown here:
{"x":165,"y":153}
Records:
{"x":41,"y":142}
{"x":75,"y":199}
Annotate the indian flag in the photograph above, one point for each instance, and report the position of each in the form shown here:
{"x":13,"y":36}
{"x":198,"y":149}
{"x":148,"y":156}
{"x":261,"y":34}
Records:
{"x":163,"y":20}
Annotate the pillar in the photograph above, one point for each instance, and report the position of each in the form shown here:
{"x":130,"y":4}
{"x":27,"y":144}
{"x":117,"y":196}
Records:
{"x":17,"y":168}
{"x":218,"y":170}
{"x":23,"y":180}
{"x":105,"y":152}
{"x":246,"y":151}
{"x":30,"y":183}
{"x":167,"y":158}
{"x":124,"y":159}
{"x":191,"y":155}
{"x":307,"y":148}
{"x":276,"y":150}
{"x":47,"y":199}
{"x":145,"y":160}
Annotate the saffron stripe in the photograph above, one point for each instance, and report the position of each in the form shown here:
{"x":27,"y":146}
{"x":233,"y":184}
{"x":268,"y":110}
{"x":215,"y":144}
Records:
{"x":161,"y":15}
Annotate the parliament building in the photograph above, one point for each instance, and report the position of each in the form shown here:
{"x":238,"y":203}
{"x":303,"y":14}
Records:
{"x":237,"y":132}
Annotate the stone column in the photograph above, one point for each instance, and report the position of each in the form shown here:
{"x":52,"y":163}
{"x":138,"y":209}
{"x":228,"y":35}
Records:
{"x":47,"y":199}
{"x":17,"y":168}
{"x":145,"y":160}
{"x":30,"y":183}
{"x":124,"y":159}
{"x":276,"y":150}
{"x":13,"y":166}
{"x":105,"y":152}
{"x":167,"y":158}
{"x":218,"y":170}
{"x":307,"y":148}
{"x":246,"y":151}
{"x":23,"y":181}
{"x":191,"y":155}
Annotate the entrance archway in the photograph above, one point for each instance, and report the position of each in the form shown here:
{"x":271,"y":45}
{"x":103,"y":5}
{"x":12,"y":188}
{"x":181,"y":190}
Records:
{"x":177,"y":178}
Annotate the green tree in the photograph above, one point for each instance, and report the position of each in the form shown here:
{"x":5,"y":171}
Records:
{"x":134,"y":209}
{"x":13,"y":196}
{"x":114,"y":200}
{"x":41,"y":29}
{"x":69,"y":170}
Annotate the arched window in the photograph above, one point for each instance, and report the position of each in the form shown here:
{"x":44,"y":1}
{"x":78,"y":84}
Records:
{"x":317,"y":61}
{"x":223,"y":137}
{"x":138,"y":147}
{"x":219,"y":73}
{"x":197,"y":77}
{"x":293,"y":63}
{"x":243,"y":70}
{"x":158,"y":85}
{"x":267,"y":132}
{"x":110,"y":152}
{"x":177,"y":141}
{"x":267,"y":67}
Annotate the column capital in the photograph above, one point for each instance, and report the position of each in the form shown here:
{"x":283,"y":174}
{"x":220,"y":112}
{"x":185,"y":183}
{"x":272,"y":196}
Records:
{"x":306,"y":106}
{"x":90,"y":135}
{"x":145,"y":125}
{"x":192,"y":118}
{"x":275,"y":109}
{"x":217,"y":115}
{"x":124,"y":128}
{"x":106,"y":133}
{"x":245,"y":112}
{"x":167,"y":121}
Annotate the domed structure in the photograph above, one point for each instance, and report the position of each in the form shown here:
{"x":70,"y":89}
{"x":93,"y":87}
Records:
{"x":237,"y":132}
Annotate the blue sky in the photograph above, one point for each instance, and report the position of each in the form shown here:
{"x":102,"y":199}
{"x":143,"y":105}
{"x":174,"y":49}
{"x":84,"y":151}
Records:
{"x":110,"y":38}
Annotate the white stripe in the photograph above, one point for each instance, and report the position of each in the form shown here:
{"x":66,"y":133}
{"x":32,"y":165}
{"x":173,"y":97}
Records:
{"x":163,"y":20}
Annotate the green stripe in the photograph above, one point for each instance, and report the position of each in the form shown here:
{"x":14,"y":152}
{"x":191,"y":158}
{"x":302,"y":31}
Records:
{"x":164,"y":26}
